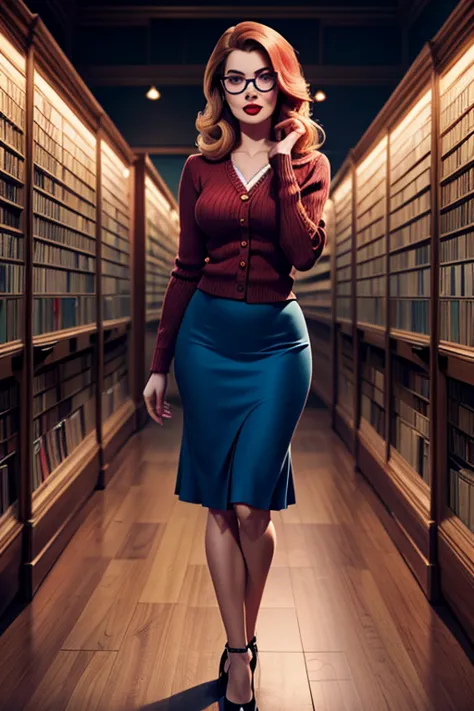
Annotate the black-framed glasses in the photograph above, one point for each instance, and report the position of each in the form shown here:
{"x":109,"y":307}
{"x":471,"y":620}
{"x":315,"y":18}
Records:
{"x":236,"y":84}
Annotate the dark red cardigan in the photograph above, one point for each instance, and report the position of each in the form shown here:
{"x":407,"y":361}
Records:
{"x":243,"y":244}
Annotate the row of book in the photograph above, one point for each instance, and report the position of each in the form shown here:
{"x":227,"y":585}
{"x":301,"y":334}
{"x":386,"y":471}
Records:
{"x":460,"y":136}
{"x":457,"y":217}
{"x":345,"y":374}
{"x":12,"y":164}
{"x":410,"y":408}
{"x":457,"y":188}
{"x":411,"y":283}
{"x":8,"y":481}
{"x":420,"y":180}
{"x":414,"y":232}
{"x":456,"y":319}
{"x":11,"y":192}
{"x":60,"y":312}
{"x":52,"y":447}
{"x":457,"y":248}
{"x":12,"y":102}
{"x":112,"y":269}
{"x":59,"y":281}
{"x":60,"y":389}
{"x":62,"y":235}
{"x":115,"y":234}
{"x":342,"y":201}
{"x":372,"y":406}
{"x":11,"y":136}
{"x":45,"y":163}
{"x":50,"y":209}
{"x":116,"y":385}
{"x":461,"y":493}
{"x":411,"y":445}
{"x":47,"y":253}
{"x":457,"y":280}
{"x":9,"y":445}
{"x":11,"y":319}
{"x":461,"y":450}
{"x":68,"y":144}
{"x":410,"y":258}
{"x":456,"y":99}
{"x":11,"y":278}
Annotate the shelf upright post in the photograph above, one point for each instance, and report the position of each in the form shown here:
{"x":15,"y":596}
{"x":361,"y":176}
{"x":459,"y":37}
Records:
{"x":355,"y":344}
{"x":26,"y":386}
{"x":139,"y":287}
{"x":98,"y":291}
{"x":438,"y":434}
{"x":388,"y":359}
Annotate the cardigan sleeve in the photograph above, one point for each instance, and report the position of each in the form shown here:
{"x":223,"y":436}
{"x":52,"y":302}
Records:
{"x":302,"y":234}
{"x":185,"y":274}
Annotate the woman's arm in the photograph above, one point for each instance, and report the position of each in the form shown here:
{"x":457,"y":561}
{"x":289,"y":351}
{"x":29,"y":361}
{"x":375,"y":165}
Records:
{"x":302,"y":234}
{"x":185,"y":274}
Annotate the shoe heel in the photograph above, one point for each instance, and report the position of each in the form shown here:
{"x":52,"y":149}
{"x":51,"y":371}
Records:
{"x":230,"y":705}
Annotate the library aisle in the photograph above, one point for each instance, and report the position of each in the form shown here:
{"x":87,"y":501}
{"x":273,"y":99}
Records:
{"x":127,"y":618}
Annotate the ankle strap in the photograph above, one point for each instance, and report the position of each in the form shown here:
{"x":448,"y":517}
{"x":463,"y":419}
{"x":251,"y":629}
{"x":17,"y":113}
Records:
{"x":240,"y":650}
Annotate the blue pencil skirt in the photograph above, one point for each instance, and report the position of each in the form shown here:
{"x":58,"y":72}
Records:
{"x":244,"y":374}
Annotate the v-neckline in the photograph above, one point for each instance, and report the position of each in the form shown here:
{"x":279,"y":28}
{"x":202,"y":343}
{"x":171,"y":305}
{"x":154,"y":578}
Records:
{"x":236,"y":181}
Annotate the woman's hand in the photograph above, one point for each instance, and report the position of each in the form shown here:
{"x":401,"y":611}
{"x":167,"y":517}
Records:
{"x":154,"y":396}
{"x":296,"y":130}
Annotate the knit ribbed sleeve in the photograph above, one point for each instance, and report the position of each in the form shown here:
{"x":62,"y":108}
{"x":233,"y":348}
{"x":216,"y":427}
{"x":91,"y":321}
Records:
{"x":302,"y":235}
{"x":186,"y":272}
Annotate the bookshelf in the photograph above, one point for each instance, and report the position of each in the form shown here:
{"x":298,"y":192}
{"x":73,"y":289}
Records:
{"x":64,"y":215}
{"x":13,"y":174}
{"x":156,"y":234}
{"x":72,"y":368}
{"x":456,"y":179}
{"x":117,"y":409}
{"x":12,"y":192}
{"x":371,"y":244}
{"x":314,"y":293}
{"x":342,"y":199}
{"x":161,"y":243}
{"x":402,"y":335}
{"x":410,"y":220}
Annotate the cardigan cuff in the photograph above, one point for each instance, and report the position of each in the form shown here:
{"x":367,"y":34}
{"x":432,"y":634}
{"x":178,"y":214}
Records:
{"x":281,"y":162}
{"x":161,"y":361}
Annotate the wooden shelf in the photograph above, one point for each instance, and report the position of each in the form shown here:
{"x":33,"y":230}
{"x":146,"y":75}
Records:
{"x":417,"y":266}
{"x":81,"y":236}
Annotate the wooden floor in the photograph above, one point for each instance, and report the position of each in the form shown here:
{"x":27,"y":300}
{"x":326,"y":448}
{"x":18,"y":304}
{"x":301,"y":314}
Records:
{"x":127,"y":619}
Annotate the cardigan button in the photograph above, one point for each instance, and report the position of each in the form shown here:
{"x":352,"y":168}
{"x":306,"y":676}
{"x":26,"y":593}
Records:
{"x":242,"y":219}
{"x":243,"y":243}
{"x":240,"y":287}
{"x":242,"y":264}
{"x":244,"y":196}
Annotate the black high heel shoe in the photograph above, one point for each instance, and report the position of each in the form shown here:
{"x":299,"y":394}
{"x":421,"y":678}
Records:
{"x":231,"y":705}
{"x":252,"y":645}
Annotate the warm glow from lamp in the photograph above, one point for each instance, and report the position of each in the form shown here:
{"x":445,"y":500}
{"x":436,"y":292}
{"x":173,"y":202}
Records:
{"x":126,"y":173}
{"x":153,"y":93}
{"x":320,"y":96}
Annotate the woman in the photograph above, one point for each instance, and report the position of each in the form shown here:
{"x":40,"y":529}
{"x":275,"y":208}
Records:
{"x":250,"y":214}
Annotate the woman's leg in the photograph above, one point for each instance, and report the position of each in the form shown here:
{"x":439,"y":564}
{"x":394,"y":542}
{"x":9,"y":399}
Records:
{"x":258,"y":542}
{"x":227,"y":568}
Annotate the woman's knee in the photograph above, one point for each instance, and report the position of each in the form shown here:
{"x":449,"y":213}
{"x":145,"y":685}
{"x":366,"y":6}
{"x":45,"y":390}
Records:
{"x":224,"y":518}
{"x":253,"y":521}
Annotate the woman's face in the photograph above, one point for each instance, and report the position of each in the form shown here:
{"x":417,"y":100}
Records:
{"x":250,"y":65}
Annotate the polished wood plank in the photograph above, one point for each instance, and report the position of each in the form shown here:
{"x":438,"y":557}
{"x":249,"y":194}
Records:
{"x":128,"y":617}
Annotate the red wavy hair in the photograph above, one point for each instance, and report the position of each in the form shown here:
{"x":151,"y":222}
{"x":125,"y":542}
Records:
{"x":219,"y":130}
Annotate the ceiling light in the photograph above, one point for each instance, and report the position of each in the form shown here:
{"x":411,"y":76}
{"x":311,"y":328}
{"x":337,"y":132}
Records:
{"x":153,"y":93}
